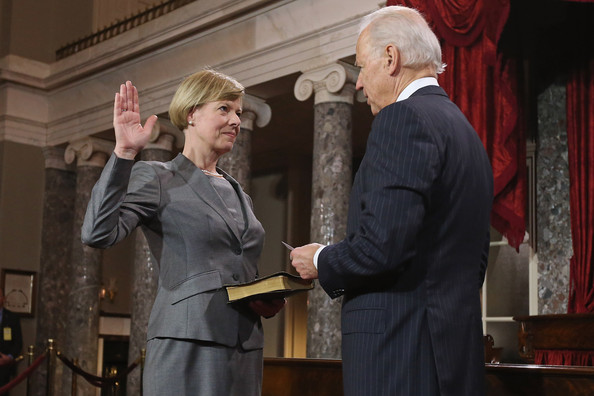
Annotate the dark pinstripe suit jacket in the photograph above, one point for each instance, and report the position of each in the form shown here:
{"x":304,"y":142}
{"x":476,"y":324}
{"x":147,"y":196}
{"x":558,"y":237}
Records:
{"x":415,"y":254}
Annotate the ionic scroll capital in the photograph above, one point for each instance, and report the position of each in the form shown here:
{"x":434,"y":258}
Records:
{"x":165,"y":136}
{"x":54,"y":158}
{"x":331,"y":83}
{"x":255,"y":110}
{"x":89,"y":151}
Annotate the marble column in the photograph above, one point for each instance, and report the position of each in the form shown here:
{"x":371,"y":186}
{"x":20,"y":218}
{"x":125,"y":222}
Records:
{"x":237,"y":163}
{"x":552,"y":207}
{"x":334,"y":91}
{"x":90,"y":154}
{"x":56,"y":244}
{"x":164,"y":140}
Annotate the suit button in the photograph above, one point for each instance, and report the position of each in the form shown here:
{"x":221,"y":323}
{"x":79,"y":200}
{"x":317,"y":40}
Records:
{"x":237,"y":251}
{"x":235,"y":277}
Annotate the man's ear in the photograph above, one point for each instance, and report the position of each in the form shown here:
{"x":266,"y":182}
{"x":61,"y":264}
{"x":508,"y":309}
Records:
{"x":392,"y":59}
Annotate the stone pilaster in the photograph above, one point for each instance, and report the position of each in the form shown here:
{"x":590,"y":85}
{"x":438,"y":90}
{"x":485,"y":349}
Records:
{"x":238,"y":161}
{"x":56,"y":244}
{"x":85,"y":271}
{"x":165,"y":139}
{"x":334,"y":92}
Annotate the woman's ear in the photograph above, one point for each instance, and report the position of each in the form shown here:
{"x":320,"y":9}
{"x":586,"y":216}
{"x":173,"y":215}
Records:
{"x":190,"y":117}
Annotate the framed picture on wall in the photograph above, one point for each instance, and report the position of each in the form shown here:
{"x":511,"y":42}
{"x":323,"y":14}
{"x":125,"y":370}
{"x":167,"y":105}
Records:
{"x":19,"y":291}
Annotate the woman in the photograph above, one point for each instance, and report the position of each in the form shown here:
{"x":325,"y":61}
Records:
{"x":201,"y":230}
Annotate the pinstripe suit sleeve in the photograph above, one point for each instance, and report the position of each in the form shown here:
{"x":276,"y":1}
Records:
{"x":125,"y":195}
{"x":391,"y":190}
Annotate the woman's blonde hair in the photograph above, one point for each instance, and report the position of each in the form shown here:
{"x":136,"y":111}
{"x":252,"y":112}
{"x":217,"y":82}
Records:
{"x":205,"y":86}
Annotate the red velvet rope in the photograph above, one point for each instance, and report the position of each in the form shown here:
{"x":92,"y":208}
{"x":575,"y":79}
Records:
{"x":99,"y":382}
{"x":18,"y":379}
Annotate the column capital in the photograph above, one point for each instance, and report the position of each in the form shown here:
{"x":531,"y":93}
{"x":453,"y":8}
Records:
{"x":54,"y":158}
{"x":164,"y":136}
{"x":255,"y":109}
{"x":330,"y":83}
{"x":89,"y":151}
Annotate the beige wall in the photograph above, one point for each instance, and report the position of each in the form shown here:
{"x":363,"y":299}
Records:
{"x":21,"y":208}
{"x":105,"y":12}
{"x":5,"y":7}
{"x":35,"y":29}
{"x":271,"y":208}
{"x":118,"y":263}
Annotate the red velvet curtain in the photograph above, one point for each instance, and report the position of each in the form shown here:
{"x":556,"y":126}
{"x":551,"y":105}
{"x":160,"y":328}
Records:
{"x":580,"y":145}
{"x":483,"y":85}
{"x":563,"y":357}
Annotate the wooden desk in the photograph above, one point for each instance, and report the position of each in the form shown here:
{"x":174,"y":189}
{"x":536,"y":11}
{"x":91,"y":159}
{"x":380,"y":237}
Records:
{"x":302,"y":377}
{"x":554,"y":332}
{"x":532,"y":380}
{"x":319,"y":377}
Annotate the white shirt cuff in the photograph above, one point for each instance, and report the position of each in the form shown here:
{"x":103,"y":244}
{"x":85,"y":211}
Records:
{"x":315,"y":257}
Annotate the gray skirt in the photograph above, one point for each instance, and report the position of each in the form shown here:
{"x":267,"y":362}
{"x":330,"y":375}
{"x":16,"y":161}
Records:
{"x":188,"y":367}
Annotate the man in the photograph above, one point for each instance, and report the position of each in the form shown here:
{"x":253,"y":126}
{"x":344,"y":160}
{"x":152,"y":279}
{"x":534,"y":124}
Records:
{"x":11,"y":341}
{"x":417,"y":240}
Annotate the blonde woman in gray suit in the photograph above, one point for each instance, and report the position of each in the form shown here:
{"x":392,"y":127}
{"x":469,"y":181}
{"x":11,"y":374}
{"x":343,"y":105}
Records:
{"x":202,"y":232}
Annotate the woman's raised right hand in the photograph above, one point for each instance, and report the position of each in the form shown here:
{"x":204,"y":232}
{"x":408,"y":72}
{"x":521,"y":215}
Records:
{"x":131,"y":136}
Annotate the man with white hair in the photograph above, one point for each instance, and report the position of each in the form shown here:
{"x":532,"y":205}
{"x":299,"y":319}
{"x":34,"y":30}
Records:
{"x":415,"y":255}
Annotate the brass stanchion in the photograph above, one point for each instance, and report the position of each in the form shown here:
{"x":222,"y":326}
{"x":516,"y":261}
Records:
{"x":51,"y":363}
{"x":113,"y":372}
{"x":142,"y":357}
{"x":73,"y":387}
{"x":30,"y":355}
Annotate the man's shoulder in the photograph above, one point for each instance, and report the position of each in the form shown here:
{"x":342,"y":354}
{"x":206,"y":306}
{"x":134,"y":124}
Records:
{"x":9,"y":315}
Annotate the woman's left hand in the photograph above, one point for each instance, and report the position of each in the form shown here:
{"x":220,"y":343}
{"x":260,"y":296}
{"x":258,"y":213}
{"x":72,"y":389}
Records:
{"x":267,"y":308}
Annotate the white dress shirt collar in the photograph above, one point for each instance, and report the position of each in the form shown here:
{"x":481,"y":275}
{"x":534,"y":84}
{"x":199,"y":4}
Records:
{"x":415,"y":86}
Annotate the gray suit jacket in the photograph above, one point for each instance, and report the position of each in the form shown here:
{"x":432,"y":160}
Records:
{"x":192,"y":237}
{"x":415,"y":254}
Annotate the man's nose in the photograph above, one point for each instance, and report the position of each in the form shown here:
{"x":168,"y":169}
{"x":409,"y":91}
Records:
{"x":359,"y":84}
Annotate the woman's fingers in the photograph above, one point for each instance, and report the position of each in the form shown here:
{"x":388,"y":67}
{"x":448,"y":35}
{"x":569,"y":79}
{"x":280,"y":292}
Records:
{"x":123,"y":97}
{"x":131,"y":97}
{"x":127,"y":99}
{"x":117,"y":108}
{"x":150,"y":123}
{"x":135,"y":106}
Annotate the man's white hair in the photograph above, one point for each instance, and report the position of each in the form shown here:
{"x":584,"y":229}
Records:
{"x":406,"y":29}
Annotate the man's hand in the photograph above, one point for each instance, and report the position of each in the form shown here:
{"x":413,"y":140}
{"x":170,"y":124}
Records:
{"x":267,"y":308}
{"x":302,"y":260}
{"x":5,"y":359}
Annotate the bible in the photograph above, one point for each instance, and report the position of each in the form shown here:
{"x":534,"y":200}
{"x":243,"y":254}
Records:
{"x":277,"y":285}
